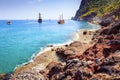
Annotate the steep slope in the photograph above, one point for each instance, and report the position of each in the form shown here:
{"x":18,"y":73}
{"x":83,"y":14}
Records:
{"x":99,"y":8}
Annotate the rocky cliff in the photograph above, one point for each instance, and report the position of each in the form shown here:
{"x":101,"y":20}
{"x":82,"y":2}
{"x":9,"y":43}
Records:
{"x":90,"y":9}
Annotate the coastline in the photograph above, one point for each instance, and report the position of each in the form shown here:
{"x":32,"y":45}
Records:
{"x":42,"y":54}
{"x":42,"y":51}
{"x":89,"y":54}
{"x":43,"y":57}
{"x":50,"y":46}
{"x":76,"y":36}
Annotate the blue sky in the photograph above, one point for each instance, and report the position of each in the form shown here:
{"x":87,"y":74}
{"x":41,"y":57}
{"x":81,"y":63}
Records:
{"x":29,"y":9}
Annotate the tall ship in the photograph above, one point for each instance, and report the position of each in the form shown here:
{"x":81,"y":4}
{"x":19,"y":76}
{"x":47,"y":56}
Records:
{"x":61,"y":20}
{"x":9,"y":22}
{"x":40,"y":18}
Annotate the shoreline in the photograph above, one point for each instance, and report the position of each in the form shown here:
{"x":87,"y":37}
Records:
{"x":80,"y":53}
{"x":42,"y":51}
{"x":75,"y":37}
{"x":48,"y":47}
{"x":46,"y":52}
{"x":33,"y":63}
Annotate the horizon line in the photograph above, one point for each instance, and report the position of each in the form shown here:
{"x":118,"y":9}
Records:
{"x":33,"y":19}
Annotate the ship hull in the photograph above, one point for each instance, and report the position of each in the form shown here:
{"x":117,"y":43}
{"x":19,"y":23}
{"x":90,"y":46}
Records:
{"x":40,"y":20}
{"x":9,"y":23}
{"x":61,"y":22}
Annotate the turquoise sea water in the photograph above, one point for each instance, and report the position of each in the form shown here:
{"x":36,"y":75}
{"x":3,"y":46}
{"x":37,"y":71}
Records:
{"x":22,"y":39}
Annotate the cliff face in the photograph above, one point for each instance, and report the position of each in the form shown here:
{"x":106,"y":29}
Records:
{"x":90,"y":9}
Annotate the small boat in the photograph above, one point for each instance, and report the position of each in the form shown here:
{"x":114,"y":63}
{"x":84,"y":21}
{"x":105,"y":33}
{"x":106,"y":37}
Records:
{"x":9,"y":22}
{"x":61,"y":20}
{"x":40,"y":18}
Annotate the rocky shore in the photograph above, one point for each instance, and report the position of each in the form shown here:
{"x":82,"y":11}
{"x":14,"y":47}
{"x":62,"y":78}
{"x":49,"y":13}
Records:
{"x":96,"y":56}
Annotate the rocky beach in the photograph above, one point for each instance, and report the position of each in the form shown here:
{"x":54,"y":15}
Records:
{"x":94,"y":57}
{"x":53,"y":55}
{"x":93,"y":54}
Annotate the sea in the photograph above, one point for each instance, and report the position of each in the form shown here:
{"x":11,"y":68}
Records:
{"x":25,"y":38}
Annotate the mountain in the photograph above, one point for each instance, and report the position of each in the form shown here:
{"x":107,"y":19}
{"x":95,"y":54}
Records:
{"x":102,"y":9}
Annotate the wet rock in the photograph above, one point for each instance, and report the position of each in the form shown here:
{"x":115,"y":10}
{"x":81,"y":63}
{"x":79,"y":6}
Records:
{"x":50,"y":46}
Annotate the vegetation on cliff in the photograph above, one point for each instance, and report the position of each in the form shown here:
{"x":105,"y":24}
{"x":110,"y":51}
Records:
{"x":99,"y":8}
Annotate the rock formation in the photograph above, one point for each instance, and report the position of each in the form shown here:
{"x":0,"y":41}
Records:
{"x":108,"y":10}
{"x":99,"y":61}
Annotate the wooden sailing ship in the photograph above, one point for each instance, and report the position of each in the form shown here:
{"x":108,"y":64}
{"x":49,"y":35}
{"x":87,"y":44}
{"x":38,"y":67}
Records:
{"x":9,"y":22}
{"x":40,"y":18}
{"x":61,"y":20}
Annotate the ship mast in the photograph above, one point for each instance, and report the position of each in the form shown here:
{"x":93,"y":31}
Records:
{"x":40,"y":16}
{"x":61,"y":17}
{"x":61,"y":20}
